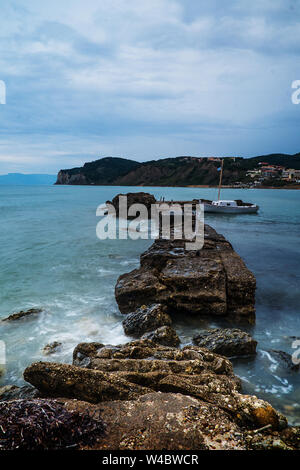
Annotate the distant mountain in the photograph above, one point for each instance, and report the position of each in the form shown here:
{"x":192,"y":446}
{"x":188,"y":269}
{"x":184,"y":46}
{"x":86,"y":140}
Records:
{"x":179,"y":171}
{"x":21,"y":179}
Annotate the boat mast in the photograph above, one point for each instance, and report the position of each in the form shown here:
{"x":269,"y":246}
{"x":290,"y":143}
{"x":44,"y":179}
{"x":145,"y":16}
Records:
{"x":220,"y":182}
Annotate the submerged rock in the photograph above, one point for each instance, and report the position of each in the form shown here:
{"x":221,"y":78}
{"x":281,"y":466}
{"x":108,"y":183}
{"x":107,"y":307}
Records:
{"x":22,"y":314}
{"x":52,"y":348}
{"x":285,"y":360}
{"x":213,"y":281}
{"x":228,"y":342}
{"x":165,"y":335}
{"x":145,"y":319}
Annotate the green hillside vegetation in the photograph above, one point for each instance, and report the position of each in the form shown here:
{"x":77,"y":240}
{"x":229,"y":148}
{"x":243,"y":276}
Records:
{"x":179,"y":171}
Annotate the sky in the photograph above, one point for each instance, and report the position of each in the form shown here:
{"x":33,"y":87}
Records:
{"x":146,"y":80}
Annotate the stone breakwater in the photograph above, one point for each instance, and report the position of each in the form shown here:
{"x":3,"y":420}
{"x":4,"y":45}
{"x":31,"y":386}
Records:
{"x":213,"y":281}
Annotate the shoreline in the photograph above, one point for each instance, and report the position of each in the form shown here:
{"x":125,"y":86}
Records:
{"x":200,"y":186}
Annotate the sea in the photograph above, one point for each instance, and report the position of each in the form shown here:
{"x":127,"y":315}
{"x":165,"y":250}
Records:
{"x":51,"y":258}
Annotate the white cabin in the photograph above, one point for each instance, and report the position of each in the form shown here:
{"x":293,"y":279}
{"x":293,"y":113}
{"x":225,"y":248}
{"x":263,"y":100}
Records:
{"x":225,"y":203}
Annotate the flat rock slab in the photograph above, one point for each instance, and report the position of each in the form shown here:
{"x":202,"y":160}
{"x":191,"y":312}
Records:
{"x":213,"y":281}
{"x":166,"y":421}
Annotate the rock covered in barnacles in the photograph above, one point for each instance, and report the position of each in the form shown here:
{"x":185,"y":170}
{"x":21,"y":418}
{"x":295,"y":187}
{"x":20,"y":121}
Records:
{"x":165,"y":335}
{"x":226,"y":341}
{"x":145,"y":319}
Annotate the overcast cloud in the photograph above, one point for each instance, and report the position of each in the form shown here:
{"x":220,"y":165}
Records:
{"x":146,"y":79}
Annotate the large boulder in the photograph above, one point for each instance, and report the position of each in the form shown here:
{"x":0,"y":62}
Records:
{"x":145,"y":319}
{"x":148,"y":200}
{"x":226,"y":341}
{"x":211,"y":281}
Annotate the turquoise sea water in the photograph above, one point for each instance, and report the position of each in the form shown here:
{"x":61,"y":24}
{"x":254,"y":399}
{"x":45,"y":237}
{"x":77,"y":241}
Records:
{"x":50,"y":257}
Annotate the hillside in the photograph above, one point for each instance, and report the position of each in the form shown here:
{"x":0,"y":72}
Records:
{"x":179,"y":171}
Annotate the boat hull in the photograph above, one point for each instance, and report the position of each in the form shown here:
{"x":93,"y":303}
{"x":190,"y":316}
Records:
{"x":230,"y":210}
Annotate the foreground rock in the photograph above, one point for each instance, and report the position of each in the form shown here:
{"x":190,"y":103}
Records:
{"x":213,"y":281}
{"x":166,"y":421}
{"x":169,"y":421}
{"x":154,"y":397}
{"x":228,"y":342}
{"x":141,"y":367}
{"x":22,"y":314}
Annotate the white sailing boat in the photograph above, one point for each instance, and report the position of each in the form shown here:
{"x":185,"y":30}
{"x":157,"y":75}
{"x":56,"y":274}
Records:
{"x":228,"y":206}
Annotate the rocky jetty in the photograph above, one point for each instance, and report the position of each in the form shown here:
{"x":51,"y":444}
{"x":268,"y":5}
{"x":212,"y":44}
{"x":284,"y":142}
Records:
{"x":226,"y":341}
{"x":153,"y":396}
{"x":148,"y":393}
{"x":213,"y":281}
